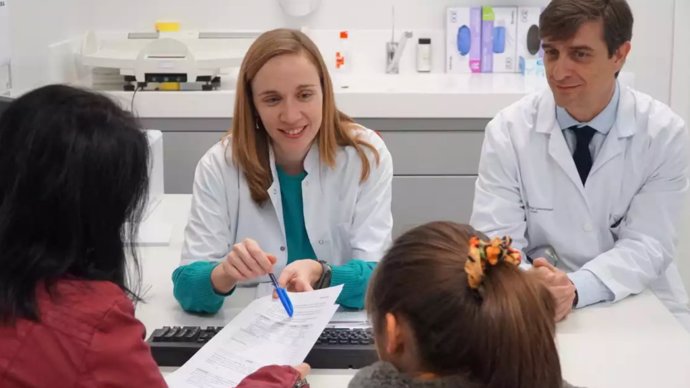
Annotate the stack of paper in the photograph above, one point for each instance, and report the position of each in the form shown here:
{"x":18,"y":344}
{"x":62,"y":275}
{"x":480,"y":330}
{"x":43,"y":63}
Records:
{"x":262,"y":334}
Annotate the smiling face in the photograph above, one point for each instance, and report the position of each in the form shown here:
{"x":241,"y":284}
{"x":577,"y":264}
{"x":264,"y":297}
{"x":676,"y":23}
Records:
{"x":287,"y":94}
{"x":580,"y":71}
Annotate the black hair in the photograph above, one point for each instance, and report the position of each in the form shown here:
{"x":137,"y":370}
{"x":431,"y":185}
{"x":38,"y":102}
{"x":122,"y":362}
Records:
{"x":73,"y":185}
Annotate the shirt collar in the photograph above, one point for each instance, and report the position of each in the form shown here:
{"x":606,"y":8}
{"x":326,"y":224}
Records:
{"x":602,"y":122}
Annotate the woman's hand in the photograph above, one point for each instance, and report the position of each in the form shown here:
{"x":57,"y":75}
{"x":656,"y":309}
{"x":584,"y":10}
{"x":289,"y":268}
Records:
{"x":301,"y":275}
{"x":246,"y":261}
{"x":277,"y":375}
{"x":303,"y":369}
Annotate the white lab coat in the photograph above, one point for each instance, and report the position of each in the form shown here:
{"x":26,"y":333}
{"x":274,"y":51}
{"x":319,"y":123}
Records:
{"x":622,"y":225}
{"x":344,"y":219}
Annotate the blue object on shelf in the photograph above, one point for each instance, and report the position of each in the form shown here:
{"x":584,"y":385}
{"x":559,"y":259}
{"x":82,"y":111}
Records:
{"x":499,"y":40}
{"x":464,"y":40}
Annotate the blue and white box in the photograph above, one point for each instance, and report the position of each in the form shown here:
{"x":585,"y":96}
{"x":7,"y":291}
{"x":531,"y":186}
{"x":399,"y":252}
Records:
{"x":529,"y":51}
{"x":463,"y":40}
{"x":499,"y":33}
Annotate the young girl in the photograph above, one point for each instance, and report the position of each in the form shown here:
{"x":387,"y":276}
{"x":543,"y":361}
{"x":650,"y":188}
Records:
{"x":451,"y":309}
{"x":297,"y":188}
{"x":73,"y":175}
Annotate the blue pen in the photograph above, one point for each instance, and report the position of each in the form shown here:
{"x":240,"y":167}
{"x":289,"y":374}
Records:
{"x":282,"y":295}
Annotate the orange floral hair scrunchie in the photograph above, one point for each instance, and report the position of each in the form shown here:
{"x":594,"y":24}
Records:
{"x":483,"y":253}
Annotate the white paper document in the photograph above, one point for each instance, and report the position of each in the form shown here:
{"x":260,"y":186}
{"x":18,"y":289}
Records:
{"x":262,"y":334}
{"x":344,"y":318}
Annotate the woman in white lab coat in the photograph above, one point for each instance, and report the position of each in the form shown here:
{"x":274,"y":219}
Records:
{"x":296,"y":189}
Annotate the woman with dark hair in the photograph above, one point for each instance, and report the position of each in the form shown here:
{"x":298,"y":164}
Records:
{"x":73,"y":181}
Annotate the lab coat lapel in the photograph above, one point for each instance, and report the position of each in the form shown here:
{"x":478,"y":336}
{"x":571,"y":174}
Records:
{"x":311,"y":188}
{"x":274,"y":190}
{"x":546,"y":123}
{"x":312,"y":200}
{"x":312,"y":165}
{"x":624,"y":127}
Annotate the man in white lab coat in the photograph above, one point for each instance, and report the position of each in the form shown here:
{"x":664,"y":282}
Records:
{"x":592,"y":168}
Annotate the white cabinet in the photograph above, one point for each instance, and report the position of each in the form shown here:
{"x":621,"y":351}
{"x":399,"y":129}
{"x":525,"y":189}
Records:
{"x":421,"y":199}
{"x":434,"y":152}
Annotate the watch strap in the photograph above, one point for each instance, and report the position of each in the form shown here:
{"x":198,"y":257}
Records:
{"x":326,"y":275}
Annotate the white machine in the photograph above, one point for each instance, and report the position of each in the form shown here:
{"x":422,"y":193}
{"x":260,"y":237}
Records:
{"x":166,"y":56}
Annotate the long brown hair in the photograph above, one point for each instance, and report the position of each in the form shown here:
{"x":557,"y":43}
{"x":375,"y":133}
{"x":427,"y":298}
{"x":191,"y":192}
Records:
{"x":500,"y":335}
{"x":250,"y":141}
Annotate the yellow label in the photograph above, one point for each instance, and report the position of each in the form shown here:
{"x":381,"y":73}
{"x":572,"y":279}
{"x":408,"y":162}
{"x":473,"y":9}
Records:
{"x":169,"y":86}
{"x":167,"y":26}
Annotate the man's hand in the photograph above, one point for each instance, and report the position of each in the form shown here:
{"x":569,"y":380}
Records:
{"x":558,"y":283}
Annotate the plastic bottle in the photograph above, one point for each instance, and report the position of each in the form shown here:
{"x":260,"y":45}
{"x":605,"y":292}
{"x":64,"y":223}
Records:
{"x":343,"y":58}
{"x":424,"y":55}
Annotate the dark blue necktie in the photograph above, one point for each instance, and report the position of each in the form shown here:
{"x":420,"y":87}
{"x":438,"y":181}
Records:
{"x":581,"y":156}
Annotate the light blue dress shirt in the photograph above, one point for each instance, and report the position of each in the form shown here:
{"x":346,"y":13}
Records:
{"x":590,"y":289}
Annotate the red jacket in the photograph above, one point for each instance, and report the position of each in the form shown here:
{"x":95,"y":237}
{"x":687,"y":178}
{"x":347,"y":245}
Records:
{"x":87,"y":337}
{"x":273,"y":376}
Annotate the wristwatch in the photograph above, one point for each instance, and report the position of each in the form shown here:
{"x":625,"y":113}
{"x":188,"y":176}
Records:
{"x":326,"y":274}
{"x":301,"y":383}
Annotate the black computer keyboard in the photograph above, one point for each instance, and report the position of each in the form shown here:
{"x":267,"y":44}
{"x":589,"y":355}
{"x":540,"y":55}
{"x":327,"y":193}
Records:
{"x":336,"y":348}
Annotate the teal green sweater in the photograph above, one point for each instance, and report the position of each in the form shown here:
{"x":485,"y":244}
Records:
{"x":192,"y":282}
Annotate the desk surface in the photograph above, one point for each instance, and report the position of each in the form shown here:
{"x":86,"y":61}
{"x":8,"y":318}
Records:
{"x":633,"y":343}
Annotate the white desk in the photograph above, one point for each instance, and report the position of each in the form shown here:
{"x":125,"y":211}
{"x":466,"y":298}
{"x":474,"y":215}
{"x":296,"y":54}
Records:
{"x":634,"y":343}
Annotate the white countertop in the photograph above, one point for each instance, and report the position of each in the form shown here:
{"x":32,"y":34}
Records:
{"x":630,"y":344}
{"x":419,"y":95}
{"x":363,"y":96}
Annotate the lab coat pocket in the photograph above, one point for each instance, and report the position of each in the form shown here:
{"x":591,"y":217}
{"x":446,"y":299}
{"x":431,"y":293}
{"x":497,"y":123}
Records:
{"x":539,"y":217}
{"x":538,"y":209}
{"x":539,"y":203}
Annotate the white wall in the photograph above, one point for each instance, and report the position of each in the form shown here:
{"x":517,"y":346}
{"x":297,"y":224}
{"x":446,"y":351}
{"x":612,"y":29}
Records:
{"x":266,"y":14}
{"x":5,"y":82}
{"x":652,"y":43}
{"x":34,"y":25}
{"x":680,"y":95}
{"x":680,"y":102}
{"x":650,"y":60}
